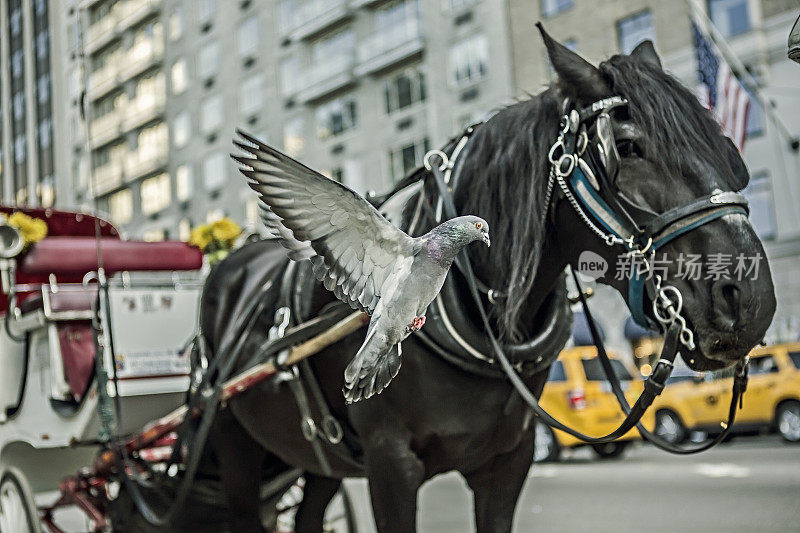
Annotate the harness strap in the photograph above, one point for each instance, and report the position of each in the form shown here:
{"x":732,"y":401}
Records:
{"x":636,"y":412}
{"x":739,"y":384}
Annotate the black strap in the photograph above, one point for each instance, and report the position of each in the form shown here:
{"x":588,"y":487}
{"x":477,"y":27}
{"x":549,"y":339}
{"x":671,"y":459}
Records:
{"x":635,"y":413}
{"x":664,"y":370}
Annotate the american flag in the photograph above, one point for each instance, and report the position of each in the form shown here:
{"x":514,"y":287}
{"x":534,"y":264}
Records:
{"x":719,"y":88}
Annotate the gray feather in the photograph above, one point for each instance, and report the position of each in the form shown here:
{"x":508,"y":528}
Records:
{"x":357,"y":254}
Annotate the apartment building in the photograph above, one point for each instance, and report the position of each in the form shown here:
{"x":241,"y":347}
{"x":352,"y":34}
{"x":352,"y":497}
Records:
{"x":757,"y":31}
{"x":32,"y":165}
{"x":358,"y":89}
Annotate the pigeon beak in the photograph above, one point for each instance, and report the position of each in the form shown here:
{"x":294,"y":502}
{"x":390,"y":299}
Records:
{"x":487,"y":240}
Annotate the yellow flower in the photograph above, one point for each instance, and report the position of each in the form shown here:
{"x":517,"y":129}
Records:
{"x":225,"y":230}
{"x":32,"y":229}
{"x":200,"y":236}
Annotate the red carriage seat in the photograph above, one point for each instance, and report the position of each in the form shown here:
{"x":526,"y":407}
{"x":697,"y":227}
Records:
{"x":78,"y":255}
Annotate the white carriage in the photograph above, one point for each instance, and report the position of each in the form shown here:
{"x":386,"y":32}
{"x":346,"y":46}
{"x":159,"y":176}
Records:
{"x":49,"y":418}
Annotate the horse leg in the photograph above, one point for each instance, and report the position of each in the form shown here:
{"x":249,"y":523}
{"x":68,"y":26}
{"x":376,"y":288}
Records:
{"x":317,"y":494}
{"x":240,"y":461}
{"x":496,"y":487}
{"x":395,"y":474}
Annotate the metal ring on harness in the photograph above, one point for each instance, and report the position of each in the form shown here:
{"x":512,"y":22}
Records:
{"x":663,"y":301}
{"x":332,"y":429}
{"x":427,"y":160}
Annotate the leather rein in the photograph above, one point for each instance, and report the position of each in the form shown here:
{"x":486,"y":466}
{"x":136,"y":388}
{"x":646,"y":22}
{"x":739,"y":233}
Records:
{"x":584,"y":171}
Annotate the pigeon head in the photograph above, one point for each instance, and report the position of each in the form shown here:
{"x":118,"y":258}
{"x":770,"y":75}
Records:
{"x":468,"y":229}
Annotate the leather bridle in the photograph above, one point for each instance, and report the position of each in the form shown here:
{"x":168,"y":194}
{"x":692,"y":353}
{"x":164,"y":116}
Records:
{"x":584,"y":170}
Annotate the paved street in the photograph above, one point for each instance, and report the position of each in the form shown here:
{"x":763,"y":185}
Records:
{"x":749,"y":485}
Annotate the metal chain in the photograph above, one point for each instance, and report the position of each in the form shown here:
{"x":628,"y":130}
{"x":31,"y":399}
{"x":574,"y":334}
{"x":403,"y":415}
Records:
{"x":666,"y":309}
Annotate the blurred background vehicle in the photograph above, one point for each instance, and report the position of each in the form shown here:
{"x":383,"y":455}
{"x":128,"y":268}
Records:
{"x":578,"y":394}
{"x":697,"y":402}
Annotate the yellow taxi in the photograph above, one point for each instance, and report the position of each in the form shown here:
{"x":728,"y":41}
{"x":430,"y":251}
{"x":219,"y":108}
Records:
{"x":578,"y":394}
{"x":693,"y":401}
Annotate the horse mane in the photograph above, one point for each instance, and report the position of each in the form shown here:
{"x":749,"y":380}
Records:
{"x":502,"y":177}
{"x":657,"y":99}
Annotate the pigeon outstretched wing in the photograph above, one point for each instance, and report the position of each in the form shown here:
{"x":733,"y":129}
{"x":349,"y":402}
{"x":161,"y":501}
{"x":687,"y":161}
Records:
{"x":357,"y":249}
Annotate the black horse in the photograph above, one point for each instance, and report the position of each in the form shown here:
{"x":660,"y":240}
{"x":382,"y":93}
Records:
{"x":437,"y":417}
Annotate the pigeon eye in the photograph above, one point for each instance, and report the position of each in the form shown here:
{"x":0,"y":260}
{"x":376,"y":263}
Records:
{"x":478,"y":225}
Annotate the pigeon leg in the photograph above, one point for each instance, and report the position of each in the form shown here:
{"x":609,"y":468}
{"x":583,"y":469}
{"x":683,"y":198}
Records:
{"x":417,"y":323}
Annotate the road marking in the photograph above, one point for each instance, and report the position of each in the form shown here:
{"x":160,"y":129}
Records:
{"x":721,"y":470}
{"x":543,"y":471}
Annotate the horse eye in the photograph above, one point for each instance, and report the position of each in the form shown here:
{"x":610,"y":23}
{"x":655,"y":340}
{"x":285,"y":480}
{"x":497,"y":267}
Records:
{"x":628,"y":148}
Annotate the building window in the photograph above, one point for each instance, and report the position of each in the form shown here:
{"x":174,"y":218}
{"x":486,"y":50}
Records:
{"x":154,"y":235}
{"x":211,"y":114}
{"x":208,"y":60}
{"x":554,"y":7}
{"x":336,"y":117}
{"x":43,"y":88}
{"x":762,"y":211}
{"x":468,"y":59}
{"x":16,"y":21}
{"x":634,"y":29}
{"x":249,"y":37}
{"x":333,"y":48}
{"x":19,"y":149}
{"x":407,"y":158}
{"x":290,"y":70}
{"x":251,"y":95}
{"x":184,"y":229}
{"x":179,"y":76}
{"x":19,"y":106}
{"x":404,"y":89}
{"x":120,"y":206}
{"x":42,"y":44}
{"x":176,"y":24}
{"x":155,"y":194}
{"x":181,"y":129}
{"x":214,"y":170}
{"x":396,"y":14}
{"x":184,"y":182}
{"x":16,"y":63}
{"x":251,"y":211}
{"x":45,"y":133}
{"x":206,"y":9}
{"x":731,"y":17}
{"x":294,"y":140}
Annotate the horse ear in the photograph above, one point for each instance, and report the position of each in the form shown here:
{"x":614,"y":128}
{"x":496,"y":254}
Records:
{"x":578,"y":78}
{"x":646,"y":53}
{"x":741,"y":175}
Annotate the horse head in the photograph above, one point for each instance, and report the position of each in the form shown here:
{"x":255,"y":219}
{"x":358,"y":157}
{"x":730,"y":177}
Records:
{"x":659,"y":150}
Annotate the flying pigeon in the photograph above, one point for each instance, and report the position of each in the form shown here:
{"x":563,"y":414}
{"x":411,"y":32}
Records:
{"x":360,"y":256}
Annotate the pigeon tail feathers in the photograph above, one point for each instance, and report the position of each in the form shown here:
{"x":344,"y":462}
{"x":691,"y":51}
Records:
{"x":372,"y":368}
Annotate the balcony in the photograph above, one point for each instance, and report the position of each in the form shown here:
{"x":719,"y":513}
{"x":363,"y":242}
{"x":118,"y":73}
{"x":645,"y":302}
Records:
{"x":385,"y":48}
{"x":322,"y":79}
{"x":101,"y":33}
{"x":102,"y":80}
{"x":106,"y":178}
{"x":355,"y":4}
{"x":140,"y":57}
{"x":146,"y":160}
{"x":143,"y":110}
{"x":134,"y":11}
{"x":311,"y":17}
{"x":105,"y":129}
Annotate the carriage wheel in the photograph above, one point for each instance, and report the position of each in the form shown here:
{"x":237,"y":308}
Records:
{"x":18,"y":512}
{"x":339,"y":517}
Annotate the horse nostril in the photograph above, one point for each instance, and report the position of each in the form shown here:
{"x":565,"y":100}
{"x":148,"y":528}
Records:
{"x":727,"y":303}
